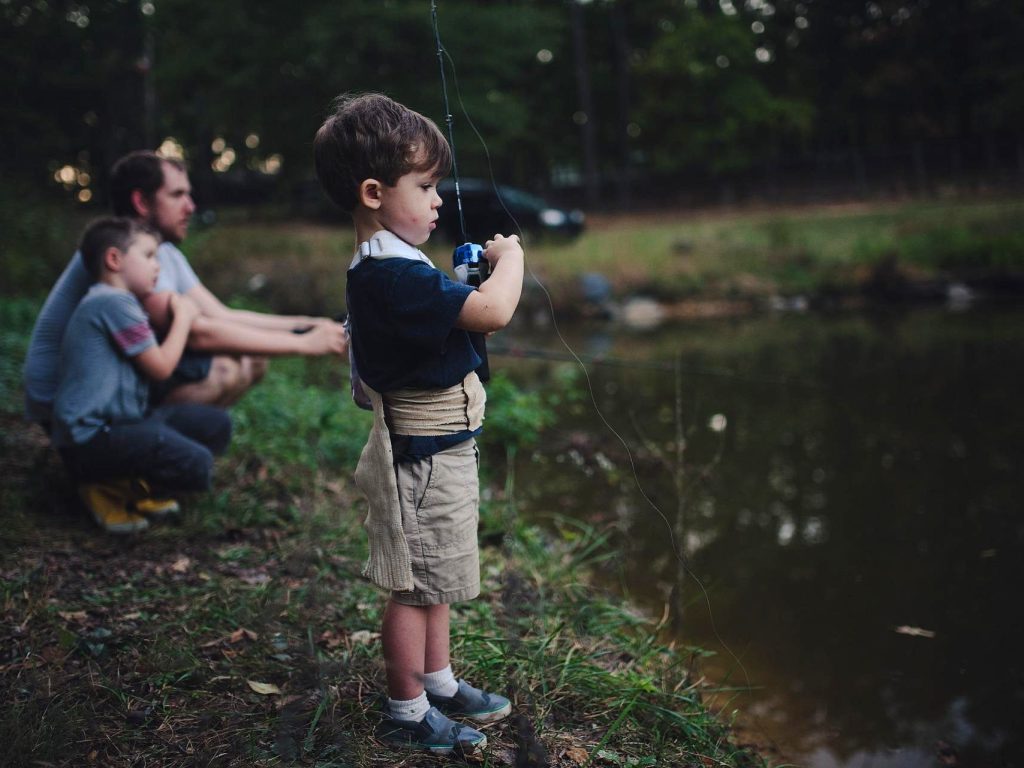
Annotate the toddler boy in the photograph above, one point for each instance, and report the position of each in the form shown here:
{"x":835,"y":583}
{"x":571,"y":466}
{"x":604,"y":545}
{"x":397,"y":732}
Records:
{"x":101,"y":423}
{"x":410,"y":343}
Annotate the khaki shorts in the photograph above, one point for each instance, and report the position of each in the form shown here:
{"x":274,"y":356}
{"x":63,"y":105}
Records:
{"x":440,"y":500}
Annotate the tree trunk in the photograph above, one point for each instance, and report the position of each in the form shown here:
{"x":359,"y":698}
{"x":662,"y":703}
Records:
{"x":586,"y":104}
{"x":620,"y":43}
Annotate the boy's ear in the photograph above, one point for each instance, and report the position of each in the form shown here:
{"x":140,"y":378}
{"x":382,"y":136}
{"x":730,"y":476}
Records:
{"x":140,"y":203}
{"x":112,"y":259}
{"x":370,"y":193}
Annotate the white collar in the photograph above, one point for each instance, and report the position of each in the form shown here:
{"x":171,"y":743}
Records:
{"x":387,"y":245}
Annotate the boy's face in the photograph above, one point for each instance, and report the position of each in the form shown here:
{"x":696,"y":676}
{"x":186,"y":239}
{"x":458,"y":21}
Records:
{"x":409,"y":209}
{"x":172,"y":205}
{"x":140,"y":266}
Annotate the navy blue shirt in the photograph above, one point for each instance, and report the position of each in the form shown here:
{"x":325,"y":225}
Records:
{"x":403,"y":314}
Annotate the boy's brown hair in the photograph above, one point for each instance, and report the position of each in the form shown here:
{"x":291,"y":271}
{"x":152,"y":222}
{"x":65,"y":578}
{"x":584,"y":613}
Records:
{"x":110,"y":232}
{"x":370,"y":136}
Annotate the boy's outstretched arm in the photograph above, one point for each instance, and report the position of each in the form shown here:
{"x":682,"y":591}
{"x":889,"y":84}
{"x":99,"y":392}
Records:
{"x":159,"y":362}
{"x":491,"y":306}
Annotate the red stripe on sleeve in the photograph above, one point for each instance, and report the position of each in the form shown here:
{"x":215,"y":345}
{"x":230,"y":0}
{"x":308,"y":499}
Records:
{"x":132,"y":336}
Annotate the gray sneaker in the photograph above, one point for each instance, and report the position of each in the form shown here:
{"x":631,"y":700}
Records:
{"x":434,"y":733}
{"x":472,"y":703}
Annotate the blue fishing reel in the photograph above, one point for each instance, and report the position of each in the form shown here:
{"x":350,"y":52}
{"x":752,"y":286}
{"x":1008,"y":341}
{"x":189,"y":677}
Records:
{"x":471,"y":268}
{"x":470,"y":265}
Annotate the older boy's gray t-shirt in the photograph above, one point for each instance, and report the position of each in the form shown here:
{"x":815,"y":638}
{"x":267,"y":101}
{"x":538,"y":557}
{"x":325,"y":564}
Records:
{"x":98,"y":383}
{"x":41,"y":362}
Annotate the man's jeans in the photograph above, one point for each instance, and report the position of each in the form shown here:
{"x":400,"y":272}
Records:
{"x":172,"y":449}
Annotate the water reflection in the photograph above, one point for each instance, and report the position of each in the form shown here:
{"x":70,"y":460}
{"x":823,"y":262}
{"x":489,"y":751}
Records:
{"x":842,"y":477}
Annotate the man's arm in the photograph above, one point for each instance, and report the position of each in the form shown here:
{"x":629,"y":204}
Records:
{"x":214,"y":308}
{"x":225,"y":335}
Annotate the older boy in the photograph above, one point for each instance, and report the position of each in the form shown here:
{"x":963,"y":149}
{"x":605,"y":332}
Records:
{"x":411,"y":344}
{"x":101,"y":422}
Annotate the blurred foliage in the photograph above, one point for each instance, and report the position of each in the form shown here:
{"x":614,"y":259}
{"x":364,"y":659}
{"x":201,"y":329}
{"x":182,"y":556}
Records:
{"x":516,"y":417}
{"x":701,"y":87}
{"x":16,"y":319}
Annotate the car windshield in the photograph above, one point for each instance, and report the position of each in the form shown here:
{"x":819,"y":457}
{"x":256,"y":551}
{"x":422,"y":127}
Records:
{"x":512,"y":197}
{"x":520,"y":199}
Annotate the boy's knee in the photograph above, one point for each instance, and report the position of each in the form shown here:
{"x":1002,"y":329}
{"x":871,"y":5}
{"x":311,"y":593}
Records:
{"x":230,"y":377}
{"x":179,"y":464}
{"x":199,"y":471}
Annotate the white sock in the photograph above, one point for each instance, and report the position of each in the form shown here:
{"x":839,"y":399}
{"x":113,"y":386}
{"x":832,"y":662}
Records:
{"x":442,"y":682}
{"x":413,"y":709}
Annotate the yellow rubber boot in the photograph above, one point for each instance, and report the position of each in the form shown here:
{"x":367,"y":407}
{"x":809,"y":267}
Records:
{"x":108,"y":503}
{"x":145,"y":503}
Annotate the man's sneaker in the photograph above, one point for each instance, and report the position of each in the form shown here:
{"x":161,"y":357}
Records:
{"x":434,"y":733}
{"x":109,"y":506}
{"x":472,"y":703}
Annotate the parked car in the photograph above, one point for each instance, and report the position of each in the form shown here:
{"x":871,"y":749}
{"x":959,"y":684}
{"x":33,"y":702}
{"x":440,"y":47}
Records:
{"x":484,"y":214}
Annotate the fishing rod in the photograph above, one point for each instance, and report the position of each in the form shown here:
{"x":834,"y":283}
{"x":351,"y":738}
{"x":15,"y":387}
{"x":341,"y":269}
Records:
{"x":467,"y":252}
{"x":467,"y":260}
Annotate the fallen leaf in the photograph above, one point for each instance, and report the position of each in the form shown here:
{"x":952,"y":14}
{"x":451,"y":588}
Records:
{"x":331,"y":639}
{"x":577,"y":754}
{"x":51,"y":653}
{"x":79,"y":616}
{"x":241,"y":632}
{"x":363,"y":636}
{"x":131,"y":616}
{"x":914,"y":631}
{"x":234,"y":637}
{"x":284,"y":701}
{"x":265,"y":689}
{"x":181,"y":564}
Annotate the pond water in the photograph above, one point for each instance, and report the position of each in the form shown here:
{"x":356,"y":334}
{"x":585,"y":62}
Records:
{"x":850,"y":502}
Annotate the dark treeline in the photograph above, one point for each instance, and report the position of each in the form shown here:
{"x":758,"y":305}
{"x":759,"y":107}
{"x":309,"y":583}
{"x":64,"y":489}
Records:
{"x":606,"y":102}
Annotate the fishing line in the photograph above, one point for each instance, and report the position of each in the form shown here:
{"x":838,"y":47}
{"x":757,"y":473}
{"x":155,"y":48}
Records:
{"x":680,"y":556}
{"x":620,"y":362}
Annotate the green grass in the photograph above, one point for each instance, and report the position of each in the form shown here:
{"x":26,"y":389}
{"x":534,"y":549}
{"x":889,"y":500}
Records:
{"x":801,"y":251}
{"x":141,"y":650}
{"x":264,"y":261}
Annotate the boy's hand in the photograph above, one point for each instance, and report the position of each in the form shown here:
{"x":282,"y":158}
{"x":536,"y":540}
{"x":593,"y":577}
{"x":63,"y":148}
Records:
{"x":183,"y":308}
{"x":490,"y":307}
{"x":329,"y":338}
{"x":500,"y":246}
